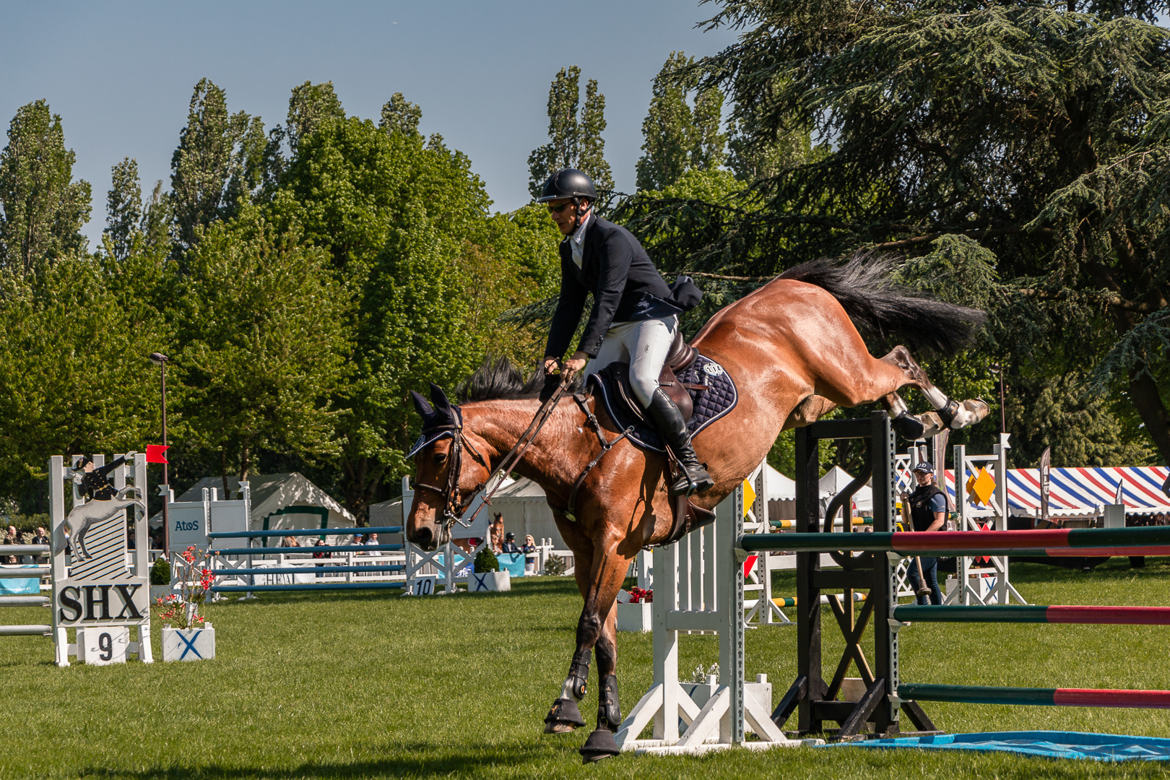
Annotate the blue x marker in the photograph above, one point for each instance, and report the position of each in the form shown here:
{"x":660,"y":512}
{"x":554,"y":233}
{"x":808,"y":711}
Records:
{"x":189,"y":645}
{"x":480,"y":582}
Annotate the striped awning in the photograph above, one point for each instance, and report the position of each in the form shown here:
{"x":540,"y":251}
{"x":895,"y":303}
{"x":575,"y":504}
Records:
{"x":1081,"y":490}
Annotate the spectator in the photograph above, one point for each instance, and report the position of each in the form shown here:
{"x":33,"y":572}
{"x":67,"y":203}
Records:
{"x":11,"y":537}
{"x":372,"y":541}
{"x":509,"y":545}
{"x":358,"y":539}
{"x":40,"y":537}
{"x":529,"y":550}
{"x":321,"y":554}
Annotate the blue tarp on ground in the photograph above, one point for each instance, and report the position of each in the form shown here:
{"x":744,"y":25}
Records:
{"x":1051,"y":744}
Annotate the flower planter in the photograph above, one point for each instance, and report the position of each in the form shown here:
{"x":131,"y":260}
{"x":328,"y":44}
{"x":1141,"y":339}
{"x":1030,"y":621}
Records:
{"x":634,"y":616}
{"x":489,"y":582}
{"x":188,"y":644}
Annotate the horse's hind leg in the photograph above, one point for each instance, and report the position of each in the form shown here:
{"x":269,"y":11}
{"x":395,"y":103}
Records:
{"x":949,"y":412}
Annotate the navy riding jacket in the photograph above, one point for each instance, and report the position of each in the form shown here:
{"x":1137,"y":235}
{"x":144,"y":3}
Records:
{"x":625,"y":284}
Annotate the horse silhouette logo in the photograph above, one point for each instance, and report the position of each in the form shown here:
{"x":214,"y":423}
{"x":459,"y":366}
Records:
{"x":97,"y":527}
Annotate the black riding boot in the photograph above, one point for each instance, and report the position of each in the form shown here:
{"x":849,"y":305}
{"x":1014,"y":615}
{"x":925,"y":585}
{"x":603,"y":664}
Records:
{"x":673,"y":429}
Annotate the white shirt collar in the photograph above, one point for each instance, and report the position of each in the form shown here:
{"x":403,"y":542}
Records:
{"x":577,"y":240}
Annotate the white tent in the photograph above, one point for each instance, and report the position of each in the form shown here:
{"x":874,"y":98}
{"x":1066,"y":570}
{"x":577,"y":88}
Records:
{"x":278,"y":501}
{"x":777,"y":486}
{"x":837,"y":479}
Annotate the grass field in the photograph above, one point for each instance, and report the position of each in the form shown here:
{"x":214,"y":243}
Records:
{"x":367,"y":685}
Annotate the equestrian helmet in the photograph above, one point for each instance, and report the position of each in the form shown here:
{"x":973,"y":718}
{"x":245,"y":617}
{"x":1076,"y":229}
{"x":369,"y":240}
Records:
{"x":568,"y":183}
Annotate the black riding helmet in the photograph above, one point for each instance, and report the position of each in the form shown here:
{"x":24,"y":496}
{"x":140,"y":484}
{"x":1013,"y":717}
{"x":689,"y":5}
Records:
{"x":568,"y":183}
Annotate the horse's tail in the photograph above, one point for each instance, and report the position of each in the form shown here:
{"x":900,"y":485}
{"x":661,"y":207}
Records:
{"x":864,"y":287}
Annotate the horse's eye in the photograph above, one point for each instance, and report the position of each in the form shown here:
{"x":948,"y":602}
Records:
{"x":440,"y":458}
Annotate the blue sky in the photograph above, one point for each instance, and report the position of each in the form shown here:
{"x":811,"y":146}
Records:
{"x":120,"y":74}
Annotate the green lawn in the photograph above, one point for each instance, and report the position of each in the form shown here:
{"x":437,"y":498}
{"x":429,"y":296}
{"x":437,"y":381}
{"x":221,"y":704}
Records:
{"x":361,"y":685}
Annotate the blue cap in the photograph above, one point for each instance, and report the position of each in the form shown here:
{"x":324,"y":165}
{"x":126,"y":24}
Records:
{"x":925,"y":467}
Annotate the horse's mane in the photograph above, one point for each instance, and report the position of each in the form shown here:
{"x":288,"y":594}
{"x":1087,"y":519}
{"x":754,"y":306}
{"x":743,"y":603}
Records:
{"x":498,"y":378}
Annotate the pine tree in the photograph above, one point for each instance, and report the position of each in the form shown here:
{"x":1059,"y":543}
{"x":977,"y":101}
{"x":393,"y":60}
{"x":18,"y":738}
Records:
{"x":1036,"y":132}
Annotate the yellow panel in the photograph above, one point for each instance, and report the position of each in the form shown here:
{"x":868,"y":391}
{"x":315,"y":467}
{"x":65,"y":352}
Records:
{"x":749,"y":497}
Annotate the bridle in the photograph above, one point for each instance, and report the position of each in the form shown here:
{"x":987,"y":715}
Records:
{"x":452,"y":498}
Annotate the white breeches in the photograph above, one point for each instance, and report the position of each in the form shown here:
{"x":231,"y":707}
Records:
{"x":645,"y":345}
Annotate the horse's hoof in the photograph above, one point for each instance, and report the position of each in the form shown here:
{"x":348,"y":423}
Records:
{"x":600,"y":745}
{"x":977,"y":408}
{"x":908,"y":426}
{"x":932,"y":424}
{"x":563,"y":717}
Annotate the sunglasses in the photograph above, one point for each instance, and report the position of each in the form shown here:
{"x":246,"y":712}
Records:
{"x":560,"y":208}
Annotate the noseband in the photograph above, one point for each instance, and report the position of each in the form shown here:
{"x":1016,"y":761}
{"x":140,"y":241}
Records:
{"x":453,"y":504}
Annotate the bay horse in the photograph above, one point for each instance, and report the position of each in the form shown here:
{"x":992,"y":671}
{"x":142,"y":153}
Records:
{"x":794,"y":353}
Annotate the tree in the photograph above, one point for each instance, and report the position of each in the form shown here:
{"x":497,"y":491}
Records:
{"x":74,"y":376}
{"x":206,"y":163}
{"x":676,"y":137}
{"x":592,"y":154}
{"x":263,"y":343}
{"x":309,"y":107}
{"x":399,"y":115}
{"x":574,"y":137}
{"x":123,"y":209}
{"x":1038,"y":131}
{"x":405,"y":222}
{"x":43,"y":208}
{"x":157,"y":218}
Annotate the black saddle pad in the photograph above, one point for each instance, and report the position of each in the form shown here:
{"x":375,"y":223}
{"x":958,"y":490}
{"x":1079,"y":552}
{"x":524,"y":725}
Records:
{"x":718,"y":397}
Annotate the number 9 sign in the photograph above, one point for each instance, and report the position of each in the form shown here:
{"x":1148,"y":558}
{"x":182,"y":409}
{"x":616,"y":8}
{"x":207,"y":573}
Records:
{"x":103,"y":645}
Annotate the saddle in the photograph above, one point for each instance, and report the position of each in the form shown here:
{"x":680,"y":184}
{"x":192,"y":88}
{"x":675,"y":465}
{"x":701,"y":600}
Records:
{"x":703,"y":393}
{"x":616,"y":377}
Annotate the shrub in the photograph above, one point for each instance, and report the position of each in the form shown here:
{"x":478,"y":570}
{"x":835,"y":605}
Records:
{"x":160,"y":572}
{"x":485,"y":560}
{"x":555,"y":566}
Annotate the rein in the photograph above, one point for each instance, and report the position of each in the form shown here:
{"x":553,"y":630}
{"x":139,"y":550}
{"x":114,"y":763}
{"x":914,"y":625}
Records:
{"x":513,"y":456}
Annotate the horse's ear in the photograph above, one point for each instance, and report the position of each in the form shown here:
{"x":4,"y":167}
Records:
{"x":439,"y":397}
{"x":420,"y":403}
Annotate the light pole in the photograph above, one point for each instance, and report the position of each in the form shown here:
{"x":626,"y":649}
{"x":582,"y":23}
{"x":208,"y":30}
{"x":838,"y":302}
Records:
{"x":161,"y":360}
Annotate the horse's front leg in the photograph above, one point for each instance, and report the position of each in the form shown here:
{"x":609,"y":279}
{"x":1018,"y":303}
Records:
{"x":596,"y":632}
{"x":564,"y":715}
{"x":609,"y":711}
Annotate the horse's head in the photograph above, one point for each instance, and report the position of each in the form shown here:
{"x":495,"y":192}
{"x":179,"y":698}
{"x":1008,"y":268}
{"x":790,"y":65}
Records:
{"x":444,"y":480}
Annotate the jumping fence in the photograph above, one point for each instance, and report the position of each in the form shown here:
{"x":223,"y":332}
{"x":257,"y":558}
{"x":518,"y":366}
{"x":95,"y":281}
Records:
{"x":733,"y":707}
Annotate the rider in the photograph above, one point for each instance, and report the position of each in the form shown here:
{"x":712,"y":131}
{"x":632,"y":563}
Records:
{"x":634,"y":315}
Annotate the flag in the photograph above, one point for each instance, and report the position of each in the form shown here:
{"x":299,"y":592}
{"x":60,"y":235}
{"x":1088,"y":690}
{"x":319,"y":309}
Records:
{"x":157,"y":453}
{"x":1117,"y":497}
{"x":1045,"y":467}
